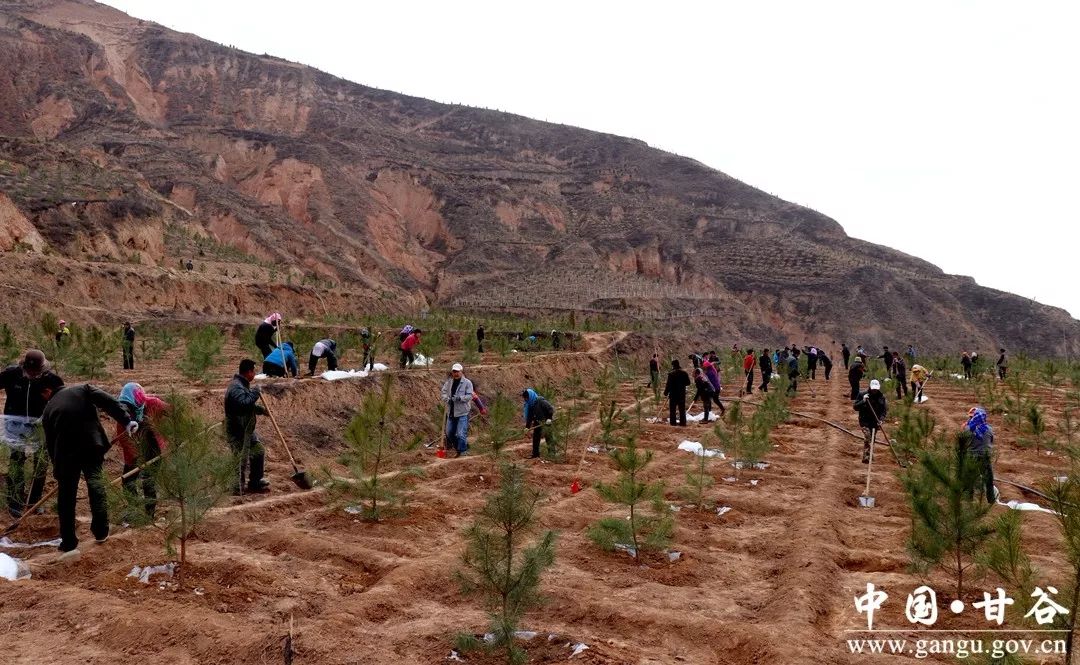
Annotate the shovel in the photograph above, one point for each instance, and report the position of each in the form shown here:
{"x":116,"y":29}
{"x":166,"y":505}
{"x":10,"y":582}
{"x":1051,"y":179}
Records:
{"x":299,"y":477}
{"x":867,"y":501}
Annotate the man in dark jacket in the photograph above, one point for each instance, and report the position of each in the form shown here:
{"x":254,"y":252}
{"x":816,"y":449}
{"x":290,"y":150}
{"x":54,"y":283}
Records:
{"x":480,"y":335}
{"x":854,"y":377}
{"x":793,"y":371}
{"x":765,"y":363}
{"x":675,"y":390}
{"x":77,"y":445}
{"x":241,"y":409}
{"x":265,"y":335}
{"x":887,"y":358}
{"x":811,"y":361}
{"x":654,"y":375}
{"x":129,"y":346}
{"x":538,"y":413}
{"x":845,"y":353}
{"x":899,"y":372}
{"x":1002,"y":365}
{"x":872,"y":408}
{"x":28,"y":387}
{"x":826,"y":363}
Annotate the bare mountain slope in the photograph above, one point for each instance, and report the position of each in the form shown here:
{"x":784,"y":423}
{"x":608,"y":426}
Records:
{"x":130,"y":142}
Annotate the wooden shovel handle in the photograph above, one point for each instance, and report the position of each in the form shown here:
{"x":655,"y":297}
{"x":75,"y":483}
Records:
{"x":278,"y":430}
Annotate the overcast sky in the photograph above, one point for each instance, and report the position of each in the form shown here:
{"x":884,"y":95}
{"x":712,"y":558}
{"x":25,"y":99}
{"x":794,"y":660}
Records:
{"x":947,"y":130}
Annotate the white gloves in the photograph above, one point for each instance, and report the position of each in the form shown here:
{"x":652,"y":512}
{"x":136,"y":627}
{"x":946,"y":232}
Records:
{"x":548,"y":421}
{"x":132,"y":428}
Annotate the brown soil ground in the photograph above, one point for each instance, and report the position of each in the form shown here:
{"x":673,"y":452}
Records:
{"x":770,"y":581}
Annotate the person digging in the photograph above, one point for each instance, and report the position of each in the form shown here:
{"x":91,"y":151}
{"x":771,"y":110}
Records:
{"x":137,"y":450}
{"x":77,"y":445}
{"x":981,"y":448}
{"x":872,"y":408}
{"x":538,"y":413}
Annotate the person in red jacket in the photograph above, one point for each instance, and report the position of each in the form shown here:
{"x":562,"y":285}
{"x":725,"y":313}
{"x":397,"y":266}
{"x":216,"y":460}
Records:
{"x":147,"y":443}
{"x":408,"y":357}
{"x":748,"y":369}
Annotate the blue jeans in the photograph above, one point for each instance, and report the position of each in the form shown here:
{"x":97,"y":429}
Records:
{"x":457,"y":431}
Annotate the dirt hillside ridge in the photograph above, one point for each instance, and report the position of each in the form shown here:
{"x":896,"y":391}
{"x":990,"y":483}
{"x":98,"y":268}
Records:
{"x":127,"y":142}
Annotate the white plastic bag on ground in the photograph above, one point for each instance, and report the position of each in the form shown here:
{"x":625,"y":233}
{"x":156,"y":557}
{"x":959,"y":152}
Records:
{"x":1020,"y":505}
{"x":13,"y":569}
{"x":700,"y":450}
{"x":6,"y":542}
{"x":144,"y":574}
{"x":698,"y":417}
{"x":578,"y":648}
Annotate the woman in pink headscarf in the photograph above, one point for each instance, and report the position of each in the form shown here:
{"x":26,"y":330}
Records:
{"x":264,"y":336}
{"x":146,"y":444}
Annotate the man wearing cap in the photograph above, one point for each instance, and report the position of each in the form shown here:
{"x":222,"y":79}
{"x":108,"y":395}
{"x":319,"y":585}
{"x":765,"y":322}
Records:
{"x":28,"y":386}
{"x":872,"y":408}
{"x":457,"y":394}
{"x":77,"y":445}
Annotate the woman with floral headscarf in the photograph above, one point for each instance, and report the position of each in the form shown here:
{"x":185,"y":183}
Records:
{"x":981,"y":447}
{"x":144,"y":446}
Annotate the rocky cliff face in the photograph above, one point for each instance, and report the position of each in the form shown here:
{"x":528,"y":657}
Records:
{"x":127,"y":142}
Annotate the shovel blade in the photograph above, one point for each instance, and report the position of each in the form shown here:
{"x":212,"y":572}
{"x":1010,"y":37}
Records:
{"x":301,"y":480}
{"x":866,"y":501}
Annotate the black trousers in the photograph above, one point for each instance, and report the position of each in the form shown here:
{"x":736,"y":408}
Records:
{"x":543,"y":431}
{"x":480,"y":345}
{"x":854,"y":388}
{"x":313,"y":362}
{"x":407,"y":358}
{"x":129,"y":356}
{"x":15,"y":488}
{"x":251,"y":459}
{"x":793,"y":377}
{"x":901,"y":383}
{"x":265,"y":349}
{"x":750,"y":381}
{"x":847,"y":357}
{"x":369,"y":359}
{"x":811,"y":366}
{"x":766,"y":376}
{"x":706,"y":404}
{"x":67,"y":473}
{"x":677,"y":402}
{"x":828,"y":371}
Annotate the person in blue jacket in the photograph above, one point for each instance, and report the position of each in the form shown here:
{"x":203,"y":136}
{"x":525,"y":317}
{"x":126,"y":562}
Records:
{"x":538,"y":413}
{"x":281,"y":359}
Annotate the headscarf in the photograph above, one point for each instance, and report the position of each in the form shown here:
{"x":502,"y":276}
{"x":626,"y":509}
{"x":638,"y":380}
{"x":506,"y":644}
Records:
{"x":976,"y":423}
{"x":133,"y":394}
{"x":530,"y":399}
{"x":273,"y":318}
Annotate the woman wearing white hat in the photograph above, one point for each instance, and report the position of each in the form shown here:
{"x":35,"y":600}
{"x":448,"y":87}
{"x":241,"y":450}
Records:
{"x":457,"y":394}
{"x":872,"y":407}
